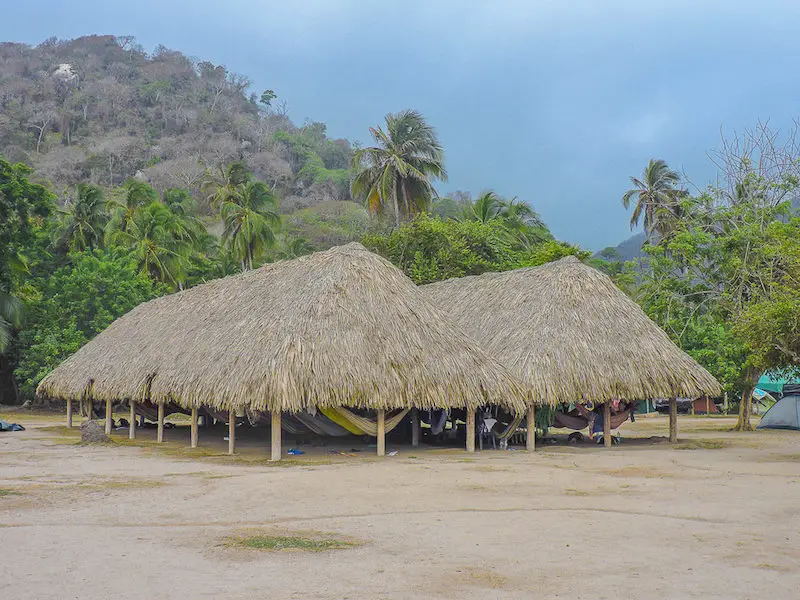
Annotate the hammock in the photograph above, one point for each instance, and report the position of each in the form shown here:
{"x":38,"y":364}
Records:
{"x":510,"y":430}
{"x":579,"y":422}
{"x":438,"y":427}
{"x":361,"y":425}
{"x":320,"y":424}
{"x":576,"y":422}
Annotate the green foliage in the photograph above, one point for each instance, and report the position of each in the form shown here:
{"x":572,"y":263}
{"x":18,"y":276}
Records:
{"x":250,"y":219}
{"x":396,"y":174}
{"x":67,"y":308}
{"x":428,"y":249}
{"x":328,"y":224}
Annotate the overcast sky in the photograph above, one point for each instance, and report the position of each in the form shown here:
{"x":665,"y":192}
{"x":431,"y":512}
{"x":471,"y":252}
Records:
{"x":556,"y":102}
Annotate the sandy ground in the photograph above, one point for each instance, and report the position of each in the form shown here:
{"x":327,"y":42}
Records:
{"x":718,"y":517}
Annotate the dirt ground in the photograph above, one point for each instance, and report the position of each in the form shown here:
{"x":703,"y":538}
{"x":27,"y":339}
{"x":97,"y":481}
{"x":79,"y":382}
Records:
{"x":718,"y":516}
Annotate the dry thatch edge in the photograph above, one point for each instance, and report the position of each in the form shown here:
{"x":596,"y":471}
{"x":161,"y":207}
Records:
{"x":570,"y":334}
{"x":337,"y":328}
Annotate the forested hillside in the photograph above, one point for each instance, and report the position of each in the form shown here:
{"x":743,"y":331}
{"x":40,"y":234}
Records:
{"x":100,"y":109}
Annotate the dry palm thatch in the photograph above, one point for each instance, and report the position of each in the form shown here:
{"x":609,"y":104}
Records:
{"x":570,"y":334}
{"x":337,"y":328}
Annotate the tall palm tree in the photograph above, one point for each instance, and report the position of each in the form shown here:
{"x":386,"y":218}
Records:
{"x":487,"y":207}
{"x":154,"y":237}
{"x":398,"y":171}
{"x":134,"y":194}
{"x":250,"y":223}
{"x":84,"y":220}
{"x":523,"y":222}
{"x":224,"y":184}
{"x":657,"y":198}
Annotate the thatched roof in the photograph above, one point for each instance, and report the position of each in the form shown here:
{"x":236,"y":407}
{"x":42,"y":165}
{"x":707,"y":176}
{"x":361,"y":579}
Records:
{"x":569,"y":333}
{"x":337,"y":328}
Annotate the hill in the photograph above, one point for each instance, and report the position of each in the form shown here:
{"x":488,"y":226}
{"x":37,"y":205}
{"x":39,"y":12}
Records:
{"x":101,"y":109}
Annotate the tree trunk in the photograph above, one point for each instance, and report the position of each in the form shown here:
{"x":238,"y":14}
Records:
{"x":673,"y":420}
{"x":746,"y":405}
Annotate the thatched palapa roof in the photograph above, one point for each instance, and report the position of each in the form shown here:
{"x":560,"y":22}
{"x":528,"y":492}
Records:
{"x":337,"y":328}
{"x":570,"y":334}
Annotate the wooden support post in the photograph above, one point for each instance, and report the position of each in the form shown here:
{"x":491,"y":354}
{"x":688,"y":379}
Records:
{"x":708,"y":405}
{"x":673,"y":420}
{"x":132,"y":426}
{"x":109,"y":418}
{"x":470,"y":430}
{"x":530,"y":438}
{"x":607,"y":424}
{"x":193,"y":435}
{"x":692,"y":409}
{"x":232,"y":432}
{"x":414,"y":427}
{"x":276,"y":435}
{"x":160,"y":432}
{"x":69,"y":413}
{"x":381,"y":432}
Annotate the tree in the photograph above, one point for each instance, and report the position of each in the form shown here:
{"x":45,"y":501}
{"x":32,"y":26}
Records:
{"x":225,"y":183}
{"x":487,"y":206}
{"x":251,"y":218}
{"x":656,"y":198}
{"x":10,"y":312}
{"x":68,"y":307}
{"x":131,"y":196}
{"x":84,"y":220}
{"x":267,"y":96}
{"x":428,"y":249}
{"x":157,"y":241}
{"x":398,"y":171}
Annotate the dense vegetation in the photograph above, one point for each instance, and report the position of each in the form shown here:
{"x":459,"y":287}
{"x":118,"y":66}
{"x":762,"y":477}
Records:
{"x":721,"y":271}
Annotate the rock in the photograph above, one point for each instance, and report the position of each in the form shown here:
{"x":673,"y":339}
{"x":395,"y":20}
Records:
{"x":92,"y":433}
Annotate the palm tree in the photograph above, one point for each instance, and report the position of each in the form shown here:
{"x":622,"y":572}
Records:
{"x":523,"y":222}
{"x":250,"y":223}
{"x":225,"y":184}
{"x":487,"y":207}
{"x":154,"y":237}
{"x":135,"y":194}
{"x":84,"y":220}
{"x":398,"y":170}
{"x":657,"y":198}
{"x":181,"y":204}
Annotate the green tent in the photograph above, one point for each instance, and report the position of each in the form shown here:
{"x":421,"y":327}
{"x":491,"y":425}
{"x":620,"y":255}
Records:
{"x":769,"y":382}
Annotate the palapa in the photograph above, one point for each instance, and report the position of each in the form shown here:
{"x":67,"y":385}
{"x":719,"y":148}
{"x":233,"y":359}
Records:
{"x":571,"y":334}
{"x":337,"y":328}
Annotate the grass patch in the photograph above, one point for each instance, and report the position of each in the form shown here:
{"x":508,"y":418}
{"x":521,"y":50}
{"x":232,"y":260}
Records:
{"x":701,"y":445}
{"x":574,"y":492}
{"x":289,"y":542}
{"x":7,"y":492}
